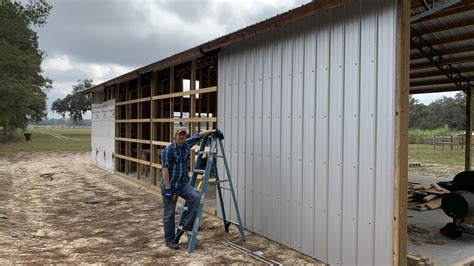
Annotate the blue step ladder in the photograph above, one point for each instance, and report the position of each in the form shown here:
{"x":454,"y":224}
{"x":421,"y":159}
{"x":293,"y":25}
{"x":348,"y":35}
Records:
{"x":214,"y":140}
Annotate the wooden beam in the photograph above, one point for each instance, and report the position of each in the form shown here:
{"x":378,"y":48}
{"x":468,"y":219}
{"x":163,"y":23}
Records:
{"x":400,"y":191}
{"x":437,"y":72}
{"x":448,"y":26}
{"x":468,"y":152}
{"x":178,"y":120}
{"x":117,"y":129}
{"x":128,"y":128}
{"x":434,"y":82}
{"x":172,"y":85}
{"x":192,"y":111}
{"x":452,"y":61}
{"x":132,"y":120}
{"x":153,"y":91}
{"x":434,"y":89}
{"x":456,"y":9}
{"x":131,"y":159}
{"x":450,"y":51}
{"x":459,"y":38}
{"x":184,"y":93}
{"x":146,"y":99}
{"x":143,"y":141}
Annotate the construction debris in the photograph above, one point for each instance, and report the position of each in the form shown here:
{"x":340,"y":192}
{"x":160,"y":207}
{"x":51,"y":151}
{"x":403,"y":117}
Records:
{"x":423,"y":197}
{"x":417,"y":260}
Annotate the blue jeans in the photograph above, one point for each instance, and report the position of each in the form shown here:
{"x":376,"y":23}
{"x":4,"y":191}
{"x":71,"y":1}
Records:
{"x":192,"y":201}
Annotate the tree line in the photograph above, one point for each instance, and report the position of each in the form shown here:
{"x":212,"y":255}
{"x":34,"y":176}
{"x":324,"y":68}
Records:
{"x":450,"y":111}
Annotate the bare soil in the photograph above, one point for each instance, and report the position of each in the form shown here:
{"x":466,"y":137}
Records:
{"x":55,"y":207}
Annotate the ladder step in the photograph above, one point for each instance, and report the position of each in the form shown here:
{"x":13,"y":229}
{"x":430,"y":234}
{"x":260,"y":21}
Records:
{"x":224,"y":188}
{"x":205,"y":152}
{"x":199,"y":171}
{"x":222,"y":181}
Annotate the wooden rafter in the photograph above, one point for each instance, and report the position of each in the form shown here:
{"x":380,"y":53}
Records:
{"x":437,"y":72}
{"x":451,"y":51}
{"x":434,"y":82}
{"x":452,"y":61}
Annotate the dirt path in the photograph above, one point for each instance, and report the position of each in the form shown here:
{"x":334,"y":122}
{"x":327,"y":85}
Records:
{"x":57,"y":207}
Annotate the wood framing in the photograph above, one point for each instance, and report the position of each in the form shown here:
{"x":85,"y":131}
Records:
{"x":185,"y":93}
{"x":468,"y":155}
{"x":401,"y":133}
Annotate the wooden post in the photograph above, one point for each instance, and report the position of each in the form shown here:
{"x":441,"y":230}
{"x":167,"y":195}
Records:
{"x":171,"y":103}
{"x":401,"y":133}
{"x":117,"y":127}
{"x":128,"y":125}
{"x":153,"y":89}
{"x":192,"y":112}
{"x":139,"y":126}
{"x":467,"y":163}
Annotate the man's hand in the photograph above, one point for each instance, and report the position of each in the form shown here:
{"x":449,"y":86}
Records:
{"x":218,"y":133}
{"x":168,"y":193}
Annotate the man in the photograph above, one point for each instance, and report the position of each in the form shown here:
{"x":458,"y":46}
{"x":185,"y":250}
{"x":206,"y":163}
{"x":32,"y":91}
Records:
{"x":175,"y":182}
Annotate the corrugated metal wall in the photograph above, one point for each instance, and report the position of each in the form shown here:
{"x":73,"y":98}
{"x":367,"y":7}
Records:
{"x":308,"y":115}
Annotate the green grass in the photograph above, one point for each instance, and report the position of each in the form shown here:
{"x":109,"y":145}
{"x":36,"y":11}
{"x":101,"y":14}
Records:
{"x":42,"y":141}
{"x":425,"y":154}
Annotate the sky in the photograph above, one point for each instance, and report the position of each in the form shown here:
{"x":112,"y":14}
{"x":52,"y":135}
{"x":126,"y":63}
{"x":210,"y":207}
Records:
{"x":100,"y":40}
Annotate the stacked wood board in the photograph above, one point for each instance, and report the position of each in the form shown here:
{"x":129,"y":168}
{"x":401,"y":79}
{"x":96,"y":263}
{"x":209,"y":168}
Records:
{"x":422,"y":197}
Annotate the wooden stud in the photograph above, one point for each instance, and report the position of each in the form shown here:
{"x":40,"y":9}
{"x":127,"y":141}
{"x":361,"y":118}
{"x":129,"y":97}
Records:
{"x":184,"y":93}
{"x":128,"y":133}
{"x":401,"y":134}
{"x":172,"y":85}
{"x":154,"y":78}
{"x":467,"y":162}
{"x":183,"y":120}
{"x":192,"y":111}
{"x":117,"y":128}
{"x":139,"y":125}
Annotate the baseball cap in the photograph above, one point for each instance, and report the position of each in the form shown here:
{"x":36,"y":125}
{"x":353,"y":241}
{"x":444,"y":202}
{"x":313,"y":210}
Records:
{"x":179,"y":130}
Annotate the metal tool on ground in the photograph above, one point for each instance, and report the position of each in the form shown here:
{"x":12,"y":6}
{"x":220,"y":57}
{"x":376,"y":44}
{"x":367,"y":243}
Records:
{"x":214,"y":141}
{"x":256,"y":255}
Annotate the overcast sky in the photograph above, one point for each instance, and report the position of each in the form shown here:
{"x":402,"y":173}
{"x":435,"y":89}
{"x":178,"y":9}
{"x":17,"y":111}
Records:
{"x":99,"y":40}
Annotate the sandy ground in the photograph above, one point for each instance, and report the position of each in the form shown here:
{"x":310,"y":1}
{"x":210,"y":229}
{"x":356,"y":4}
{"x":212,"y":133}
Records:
{"x":56,"y":207}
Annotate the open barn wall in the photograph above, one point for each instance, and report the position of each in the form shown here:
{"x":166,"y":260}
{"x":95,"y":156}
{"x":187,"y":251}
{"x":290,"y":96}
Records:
{"x":309,"y":113}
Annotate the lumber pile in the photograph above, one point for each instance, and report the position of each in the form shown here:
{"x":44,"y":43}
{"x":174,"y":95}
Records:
{"x":418,"y":260}
{"x":423,"y":197}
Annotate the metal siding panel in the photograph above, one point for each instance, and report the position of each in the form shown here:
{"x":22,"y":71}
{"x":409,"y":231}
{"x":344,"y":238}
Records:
{"x":351,"y":128}
{"x":276,"y":137}
{"x":321,"y":146}
{"x":385,"y":129}
{"x":221,"y":110}
{"x":367,"y":134}
{"x":336,"y":126}
{"x":309,"y":100}
{"x":297,"y":137}
{"x":286,"y":135}
{"x":242,"y":128}
{"x":228,"y":124}
{"x":249,"y":159}
{"x":235,"y":123}
{"x":257,"y":181}
{"x":266,"y":135}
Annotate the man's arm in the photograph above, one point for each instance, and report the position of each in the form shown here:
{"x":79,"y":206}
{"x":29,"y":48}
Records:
{"x":165,"y":164}
{"x":166,"y":177}
{"x":206,"y":133}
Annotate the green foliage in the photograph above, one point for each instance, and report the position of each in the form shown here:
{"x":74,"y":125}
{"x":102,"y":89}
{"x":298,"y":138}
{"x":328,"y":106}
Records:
{"x":23,"y":86}
{"x":444,"y":111}
{"x":75,"y":104}
{"x":416,"y":136}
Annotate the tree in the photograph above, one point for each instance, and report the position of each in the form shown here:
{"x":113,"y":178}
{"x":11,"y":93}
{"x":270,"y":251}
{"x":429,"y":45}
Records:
{"x":23,"y":85}
{"x":76,"y":104}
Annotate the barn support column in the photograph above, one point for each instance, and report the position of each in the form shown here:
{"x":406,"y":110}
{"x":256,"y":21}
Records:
{"x":467,"y":163}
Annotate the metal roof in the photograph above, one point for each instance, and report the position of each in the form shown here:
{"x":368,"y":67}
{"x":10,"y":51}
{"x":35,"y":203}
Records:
{"x":451,"y":33}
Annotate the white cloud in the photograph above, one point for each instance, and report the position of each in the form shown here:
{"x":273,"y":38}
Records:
{"x":59,"y":63}
{"x":427,"y":98}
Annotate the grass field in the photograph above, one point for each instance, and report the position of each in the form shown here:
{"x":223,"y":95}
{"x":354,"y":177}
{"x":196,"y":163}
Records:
{"x":425,"y":154}
{"x":50,"y":139}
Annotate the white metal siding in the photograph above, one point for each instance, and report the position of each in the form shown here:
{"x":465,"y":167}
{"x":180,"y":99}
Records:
{"x":308,"y":115}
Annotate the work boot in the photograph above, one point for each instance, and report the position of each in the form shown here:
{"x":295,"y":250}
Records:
{"x":172,"y":245}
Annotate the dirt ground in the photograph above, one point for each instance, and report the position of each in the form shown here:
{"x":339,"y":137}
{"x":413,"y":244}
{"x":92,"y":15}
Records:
{"x":55,"y":207}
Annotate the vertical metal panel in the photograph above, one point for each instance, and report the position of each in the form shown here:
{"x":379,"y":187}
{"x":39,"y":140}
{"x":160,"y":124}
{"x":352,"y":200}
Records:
{"x":322,"y":147}
{"x":257,"y":131}
{"x":351,"y":132}
{"x":249,"y":147}
{"x":266,"y":140}
{"x":241,"y":131}
{"x":385,"y":133}
{"x":275,"y":225}
{"x":367,"y":134}
{"x":286,"y":137}
{"x":296,"y":214}
{"x":310,"y":107}
{"x":221,"y":83}
{"x":336,"y":127}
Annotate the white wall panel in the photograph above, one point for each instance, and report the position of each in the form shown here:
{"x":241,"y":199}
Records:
{"x":308,"y":114}
{"x":103,"y":135}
